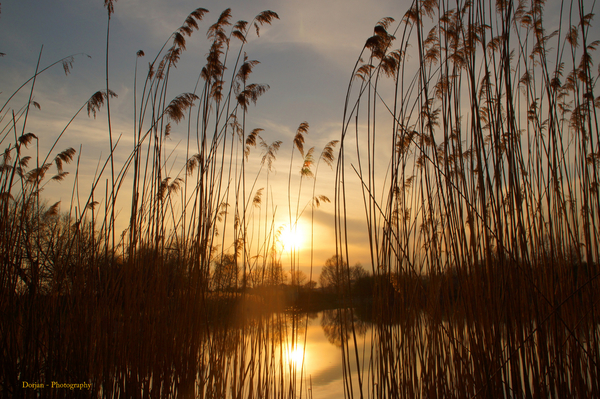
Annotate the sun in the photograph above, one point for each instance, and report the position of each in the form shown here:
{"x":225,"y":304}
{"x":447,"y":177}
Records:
{"x":296,"y":356}
{"x":291,"y":238}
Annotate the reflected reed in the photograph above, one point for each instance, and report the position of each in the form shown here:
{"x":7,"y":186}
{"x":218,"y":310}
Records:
{"x":472,"y":132}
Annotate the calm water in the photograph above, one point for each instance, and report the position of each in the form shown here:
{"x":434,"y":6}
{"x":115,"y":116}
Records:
{"x":323,"y":376}
{"x":315,"y":355}
{"x":323,"y":354}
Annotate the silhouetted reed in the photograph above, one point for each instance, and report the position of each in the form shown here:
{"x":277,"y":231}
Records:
{"x":163,"y":308}
{"x":486,"y":207}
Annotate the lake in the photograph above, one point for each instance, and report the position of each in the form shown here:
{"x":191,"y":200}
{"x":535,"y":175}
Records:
{"x":323,"y":370}
{"x":429,"y":356}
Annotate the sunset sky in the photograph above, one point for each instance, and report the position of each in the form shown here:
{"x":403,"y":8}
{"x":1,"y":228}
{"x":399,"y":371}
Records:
{"x":306,"y":58}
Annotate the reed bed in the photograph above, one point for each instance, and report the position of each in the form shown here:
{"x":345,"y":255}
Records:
{"x":482,"y":221}
{"x":484,"y":213}
{"x":161,"y":309}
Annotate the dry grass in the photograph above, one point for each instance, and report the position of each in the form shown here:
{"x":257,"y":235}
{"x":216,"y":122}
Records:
{"x":162,"y":309}
{"x":491,"y":191}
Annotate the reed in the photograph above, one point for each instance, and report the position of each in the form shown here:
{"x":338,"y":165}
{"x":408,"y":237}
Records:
{"x":490,"y":195}
{"x":163,"y":308}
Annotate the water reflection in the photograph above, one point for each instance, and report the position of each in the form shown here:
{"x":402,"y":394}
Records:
{"x":341,"y":353}
{"x":327,"y":330}
{"x":435,"y":352}
{"x":338,"y":325}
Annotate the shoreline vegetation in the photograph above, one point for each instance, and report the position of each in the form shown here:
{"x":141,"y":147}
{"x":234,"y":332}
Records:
{"x":476,"y":157}
{"x":490,"y":191}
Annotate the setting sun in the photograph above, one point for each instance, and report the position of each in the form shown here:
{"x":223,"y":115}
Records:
{"x":291,"y":238}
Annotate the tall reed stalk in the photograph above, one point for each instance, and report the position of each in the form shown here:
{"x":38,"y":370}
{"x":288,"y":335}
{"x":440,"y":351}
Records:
{"x":483,"y":220}
{"x":164,"y":308}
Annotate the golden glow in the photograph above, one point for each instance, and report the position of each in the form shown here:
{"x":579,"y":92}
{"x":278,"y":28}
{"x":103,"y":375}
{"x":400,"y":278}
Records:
{"x":296,"y":356}
{"x":291,"y":239}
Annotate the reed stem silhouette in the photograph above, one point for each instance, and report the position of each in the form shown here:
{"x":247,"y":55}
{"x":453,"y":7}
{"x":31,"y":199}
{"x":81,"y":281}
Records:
{"x":484,"y":220}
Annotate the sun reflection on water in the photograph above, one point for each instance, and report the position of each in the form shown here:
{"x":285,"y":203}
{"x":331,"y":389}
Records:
{"x":297,"y":355}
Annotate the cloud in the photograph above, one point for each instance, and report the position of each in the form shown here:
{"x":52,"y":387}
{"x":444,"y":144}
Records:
{"x":306,"y":58}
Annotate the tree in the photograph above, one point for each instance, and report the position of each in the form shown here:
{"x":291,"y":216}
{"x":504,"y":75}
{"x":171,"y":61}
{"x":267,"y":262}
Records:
{"x":357,"y":272}
{"x":274,"y":274}
{"x":298,"y":277}
{"x":334,"y":275}
{"x":226,"y":272}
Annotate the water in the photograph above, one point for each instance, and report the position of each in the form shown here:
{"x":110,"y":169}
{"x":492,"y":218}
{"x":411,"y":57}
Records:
{"x":436,"y":357}
{"x":322,"y":374}
{"x":342,"y":353}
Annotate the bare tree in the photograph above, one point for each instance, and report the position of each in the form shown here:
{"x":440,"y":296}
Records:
{"x":226,"y":273}
{"x":335,"y":274}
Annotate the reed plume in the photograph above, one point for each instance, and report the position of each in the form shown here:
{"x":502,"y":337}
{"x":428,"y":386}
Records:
{"x":484,"y":217}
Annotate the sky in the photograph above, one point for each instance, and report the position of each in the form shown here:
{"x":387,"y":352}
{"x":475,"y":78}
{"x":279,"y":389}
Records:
{"x":306,"y":57}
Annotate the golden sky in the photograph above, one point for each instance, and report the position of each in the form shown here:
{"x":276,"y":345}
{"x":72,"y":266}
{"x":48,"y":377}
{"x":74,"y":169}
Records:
{"x":306,"y":57}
